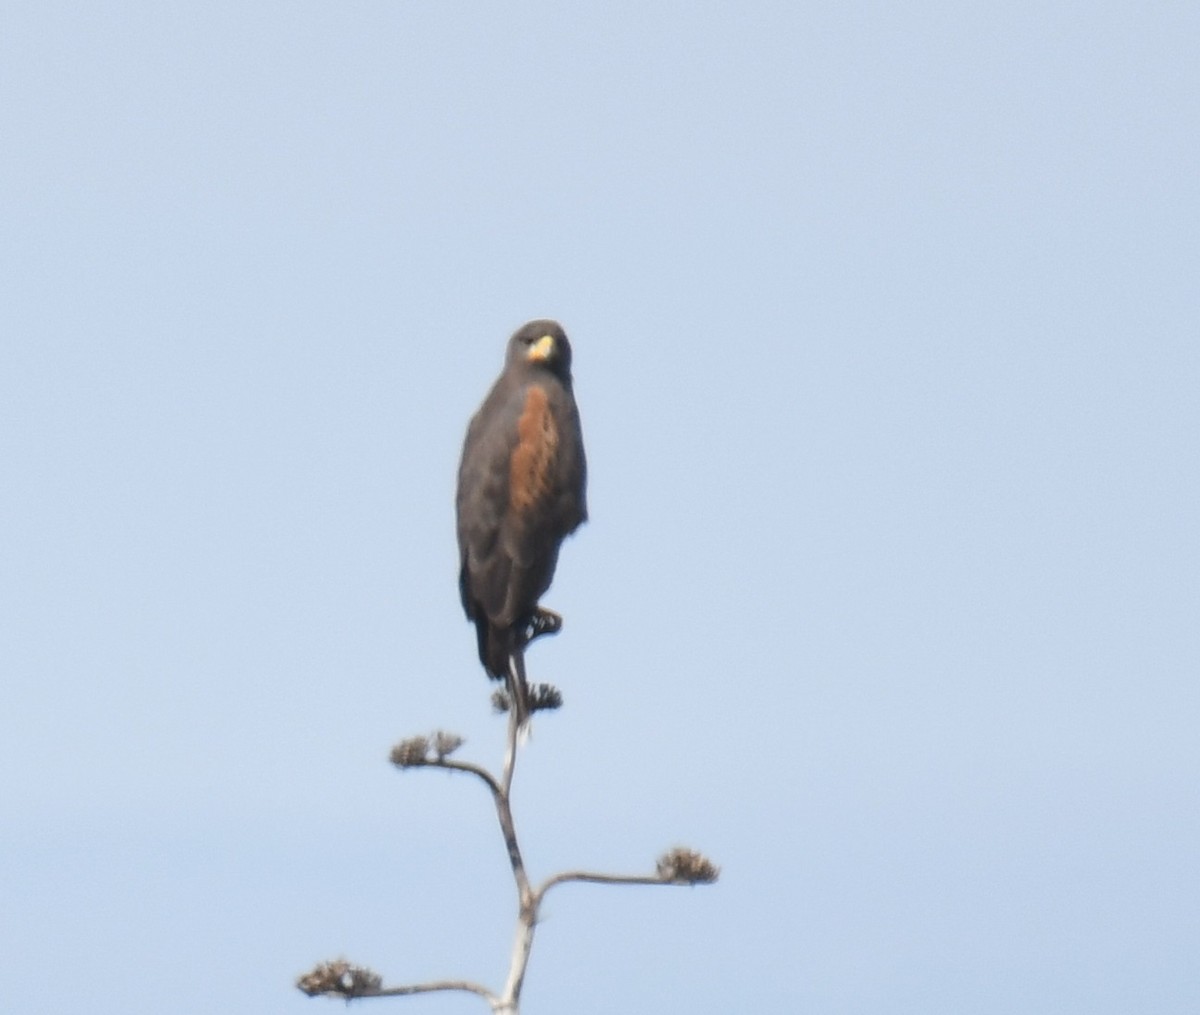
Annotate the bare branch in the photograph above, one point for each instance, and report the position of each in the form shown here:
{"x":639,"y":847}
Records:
{"x":519,"y":961}
{"x":344,"y":979}
{"x":526,"y":902}
{"x":508,"y":827}
{"x":678,"y":866}
{"x":591,"y":877}
{"x":510,"y":751}
{"x":426,"y":752}
{"x":478,"y":771}
{"x":437,"y":985}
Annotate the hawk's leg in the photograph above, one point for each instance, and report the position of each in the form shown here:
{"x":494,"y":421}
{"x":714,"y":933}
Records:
{"x":542,"y":622}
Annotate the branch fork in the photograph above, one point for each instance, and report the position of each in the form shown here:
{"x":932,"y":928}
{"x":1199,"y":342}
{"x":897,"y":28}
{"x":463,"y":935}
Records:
{"x":678,"y":866}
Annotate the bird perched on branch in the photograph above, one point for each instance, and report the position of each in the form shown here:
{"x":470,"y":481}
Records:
{"x":521,"y":491}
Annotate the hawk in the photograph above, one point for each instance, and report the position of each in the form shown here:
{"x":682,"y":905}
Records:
{"x":521,"y":491}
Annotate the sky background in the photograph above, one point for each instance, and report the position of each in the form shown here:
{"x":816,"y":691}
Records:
{"x":885,"y":321}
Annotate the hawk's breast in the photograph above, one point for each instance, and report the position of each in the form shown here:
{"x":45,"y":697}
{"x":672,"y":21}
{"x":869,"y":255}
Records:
{"x":531,"y":469}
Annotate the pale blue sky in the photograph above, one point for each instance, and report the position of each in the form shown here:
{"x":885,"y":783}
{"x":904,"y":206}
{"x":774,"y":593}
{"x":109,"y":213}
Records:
{"x":885,"y":328}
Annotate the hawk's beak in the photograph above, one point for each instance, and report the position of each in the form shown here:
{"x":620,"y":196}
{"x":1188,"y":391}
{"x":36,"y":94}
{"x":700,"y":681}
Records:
{"x":542,"y":349}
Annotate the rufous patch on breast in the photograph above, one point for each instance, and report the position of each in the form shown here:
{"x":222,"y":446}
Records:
{"x":537,"y":444}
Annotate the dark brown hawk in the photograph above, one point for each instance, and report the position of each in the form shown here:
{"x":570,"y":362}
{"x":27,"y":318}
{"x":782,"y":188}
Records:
{"x":521,"y":491}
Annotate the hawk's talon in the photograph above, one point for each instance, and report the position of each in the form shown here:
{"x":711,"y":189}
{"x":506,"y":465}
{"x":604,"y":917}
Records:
{"x":543,"y":622}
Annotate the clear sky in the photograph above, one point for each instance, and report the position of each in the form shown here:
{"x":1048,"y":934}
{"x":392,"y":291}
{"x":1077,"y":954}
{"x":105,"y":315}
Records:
{"x":886,"y":338}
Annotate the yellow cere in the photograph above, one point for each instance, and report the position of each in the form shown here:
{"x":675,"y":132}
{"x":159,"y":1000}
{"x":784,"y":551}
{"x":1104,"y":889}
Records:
{"x":543,"y":348}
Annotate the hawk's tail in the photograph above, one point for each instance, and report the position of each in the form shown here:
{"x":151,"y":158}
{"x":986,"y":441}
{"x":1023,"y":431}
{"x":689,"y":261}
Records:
{"x":518,"y":688}
{"x":502,"y":652}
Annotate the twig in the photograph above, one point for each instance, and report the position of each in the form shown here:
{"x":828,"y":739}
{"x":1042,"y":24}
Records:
{"x":343,"y":979}
{"x":469,"y":766}
{"x":678,"y":866}
{"x":436,"y":985}
{"x":504,"y":813}
{"x":600,"y":879}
